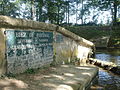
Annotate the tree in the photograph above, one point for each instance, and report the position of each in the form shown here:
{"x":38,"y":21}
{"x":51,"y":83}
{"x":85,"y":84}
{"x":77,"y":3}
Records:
{"x":9,"y":8}
{"x":106,"y":5}
{"x":52,"y":11}
{"x":116,"y":3}
{"x":55,"y":11}
{"x":39,"y":11}
{"x":32,"y":10}
{"x":82,"y":10}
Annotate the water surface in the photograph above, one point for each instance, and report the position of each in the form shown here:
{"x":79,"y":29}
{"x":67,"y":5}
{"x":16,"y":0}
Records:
{"x":107,"y":80}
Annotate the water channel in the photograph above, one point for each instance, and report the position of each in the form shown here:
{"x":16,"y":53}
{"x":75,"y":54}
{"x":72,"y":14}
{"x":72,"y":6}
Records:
{"x":107,"y":80}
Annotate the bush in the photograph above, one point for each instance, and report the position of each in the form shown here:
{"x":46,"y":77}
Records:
{"x":89,"y":32}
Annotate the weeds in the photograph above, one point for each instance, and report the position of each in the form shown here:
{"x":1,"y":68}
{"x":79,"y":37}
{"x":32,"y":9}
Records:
{"x":30,"y":71}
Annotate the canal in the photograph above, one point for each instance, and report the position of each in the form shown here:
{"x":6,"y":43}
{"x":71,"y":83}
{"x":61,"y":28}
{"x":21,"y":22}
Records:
{"x":108,"y":80}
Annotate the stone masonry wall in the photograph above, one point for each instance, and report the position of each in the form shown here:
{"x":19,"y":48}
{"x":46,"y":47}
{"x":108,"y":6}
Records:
{"x":26,"y":44}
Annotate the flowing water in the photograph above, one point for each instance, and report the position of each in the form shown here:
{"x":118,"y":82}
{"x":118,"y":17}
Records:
{"x":107,"y":80}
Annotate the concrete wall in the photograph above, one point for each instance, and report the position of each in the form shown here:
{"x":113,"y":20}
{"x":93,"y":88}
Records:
{"x":56,"y":44}
{"x":65,"y":49}
{"x":2,"y":51}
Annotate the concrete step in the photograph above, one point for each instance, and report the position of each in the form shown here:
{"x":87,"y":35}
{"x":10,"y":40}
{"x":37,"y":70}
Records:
{"x":64,"y":77}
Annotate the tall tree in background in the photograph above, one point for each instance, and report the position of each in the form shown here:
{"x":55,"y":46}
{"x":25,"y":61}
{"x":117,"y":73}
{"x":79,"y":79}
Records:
{"x":106,"y":5}
{"x":60,"y":11}
{"x":9,"y":8}
{"x":40,"y":14}
{"x":82,"y":10}
{"x":68,"y":11}
{"x":55,"y":11}
{"x":51,"y":11}
{"x":116,"y":3}
{"x":76,"y":11}
{"x":110,"y":4}
{"x":32,"y":10}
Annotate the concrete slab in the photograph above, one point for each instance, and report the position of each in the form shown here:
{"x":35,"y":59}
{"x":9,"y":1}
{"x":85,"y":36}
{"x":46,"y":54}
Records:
{"x":64,"y":77}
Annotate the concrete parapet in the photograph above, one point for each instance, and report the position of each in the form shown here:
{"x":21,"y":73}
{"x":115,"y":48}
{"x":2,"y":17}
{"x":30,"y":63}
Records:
{"x":30,"y":44}
{"x":8,"y":22}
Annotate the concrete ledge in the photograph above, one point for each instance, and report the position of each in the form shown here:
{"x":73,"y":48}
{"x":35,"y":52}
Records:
{"x":9,"y":22}
{"x":64,"y":77}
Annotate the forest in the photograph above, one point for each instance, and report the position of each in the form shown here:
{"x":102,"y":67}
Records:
{"x":85,"y":12}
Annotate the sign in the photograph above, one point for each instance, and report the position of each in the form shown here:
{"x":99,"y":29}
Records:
{"x":28,"y":49}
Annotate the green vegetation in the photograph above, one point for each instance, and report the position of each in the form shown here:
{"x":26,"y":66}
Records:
{"x":30,"y":71}
{"x":89,"y":32}
{"x":95,"y":32}
{"x":10,"y":75}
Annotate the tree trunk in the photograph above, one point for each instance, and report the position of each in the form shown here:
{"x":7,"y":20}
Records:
{"x":82,"y":13}
{"x":68,"y":12}
{"x":32,"y":10}
{"x":76,"y":12}
{"x":58,"y":14}
{"x":40,"y":14}
{"x":40,"y":11}
{"x":115,"y":12}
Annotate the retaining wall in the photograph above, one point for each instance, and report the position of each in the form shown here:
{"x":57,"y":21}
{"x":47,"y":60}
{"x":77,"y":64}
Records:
{"x":26,"y":44}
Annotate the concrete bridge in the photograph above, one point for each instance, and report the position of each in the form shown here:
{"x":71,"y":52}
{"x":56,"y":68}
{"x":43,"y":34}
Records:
{"x":26,"y":44}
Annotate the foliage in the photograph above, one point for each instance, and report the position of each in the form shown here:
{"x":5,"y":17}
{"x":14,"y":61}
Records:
{"x":10,"y":75}
{"x":116,"y":32}
{"x":94,"y":32}
{"x":106,"y":5}
{"x":9,"y":8}
{"x":52,"y":11}
{"x":30,"y":71}
{"x":59,"y":11}
{"x":88,"y":32}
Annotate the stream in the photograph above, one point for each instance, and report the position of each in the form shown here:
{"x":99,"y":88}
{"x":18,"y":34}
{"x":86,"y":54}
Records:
{"x":107,"y":80}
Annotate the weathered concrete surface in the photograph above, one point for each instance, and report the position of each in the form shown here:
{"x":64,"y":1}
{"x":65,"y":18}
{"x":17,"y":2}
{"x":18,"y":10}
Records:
{"x":64,"y":77}
{"x":101,"y":42}
{"x":2,"y":51}
{"x":75,"y":37}
{"x":67,"y":46}
{"x":69,"y":51}
{"x":65,"y":49}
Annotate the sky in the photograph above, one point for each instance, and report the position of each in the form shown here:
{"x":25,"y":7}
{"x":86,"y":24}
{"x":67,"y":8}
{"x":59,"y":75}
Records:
{"x":103,"y":17}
